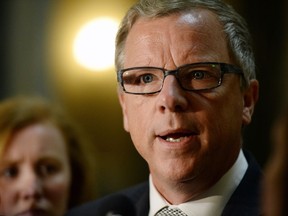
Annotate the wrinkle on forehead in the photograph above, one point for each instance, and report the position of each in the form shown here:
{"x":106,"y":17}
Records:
{"x":205,"y":27}
{"x":188,"y":37}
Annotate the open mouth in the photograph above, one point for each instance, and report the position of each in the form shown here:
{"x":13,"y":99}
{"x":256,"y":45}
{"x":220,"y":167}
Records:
{"x":34,"y":212}
{"x":176,"y":137}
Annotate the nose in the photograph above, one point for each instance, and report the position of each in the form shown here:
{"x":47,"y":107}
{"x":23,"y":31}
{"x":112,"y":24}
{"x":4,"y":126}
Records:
{"x":30,"y":186}
{"x":172,"y":97}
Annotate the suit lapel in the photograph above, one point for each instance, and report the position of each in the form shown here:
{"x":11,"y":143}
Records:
{"x":245,"y":199}
{"x":142,"y":205}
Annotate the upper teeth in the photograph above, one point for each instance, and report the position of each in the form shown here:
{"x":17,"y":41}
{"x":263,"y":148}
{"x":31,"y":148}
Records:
{"x":170,"y":139}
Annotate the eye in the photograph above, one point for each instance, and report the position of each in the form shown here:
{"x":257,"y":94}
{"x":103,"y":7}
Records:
{"x":199,"y":74}
{"x":10,"y":172}
{"x":48,"y":169}
{"x":147,"y":78}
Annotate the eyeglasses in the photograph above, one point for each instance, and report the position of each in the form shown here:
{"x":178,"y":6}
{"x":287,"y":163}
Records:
{"x":191,"y":77}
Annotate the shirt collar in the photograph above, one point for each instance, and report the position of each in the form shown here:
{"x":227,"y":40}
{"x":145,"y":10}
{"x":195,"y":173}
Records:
{"x":211,"y":202}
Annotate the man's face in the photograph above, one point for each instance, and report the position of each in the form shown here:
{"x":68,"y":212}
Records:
{"x":185,"y":136}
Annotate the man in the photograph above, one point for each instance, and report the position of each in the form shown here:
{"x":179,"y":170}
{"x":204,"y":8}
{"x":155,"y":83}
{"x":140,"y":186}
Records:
{"x":187,"y":87}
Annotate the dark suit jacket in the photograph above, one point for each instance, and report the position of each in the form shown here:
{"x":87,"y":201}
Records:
{"x":135,"y":200}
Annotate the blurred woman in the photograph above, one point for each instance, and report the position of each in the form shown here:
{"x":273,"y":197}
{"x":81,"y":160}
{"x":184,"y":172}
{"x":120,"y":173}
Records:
{"x":276,"y":178}
{"x":42,"y":169}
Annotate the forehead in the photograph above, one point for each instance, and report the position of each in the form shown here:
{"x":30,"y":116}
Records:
{"x":194,"y":33}
{"x":36,"y":141}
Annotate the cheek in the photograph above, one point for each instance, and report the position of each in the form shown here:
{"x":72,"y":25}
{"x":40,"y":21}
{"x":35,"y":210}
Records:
{"x":7,"y":199}
{"x":229,"y":107}
{"x":139,"y":127}
{"x":59,"y":185}
{"x":138,"y":115}
{"x":139,"y":119}
{"x":57,"y":190}
{"x":223,"y":118}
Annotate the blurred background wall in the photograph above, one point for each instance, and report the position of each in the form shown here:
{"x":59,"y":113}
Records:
{"x":37,"y":44}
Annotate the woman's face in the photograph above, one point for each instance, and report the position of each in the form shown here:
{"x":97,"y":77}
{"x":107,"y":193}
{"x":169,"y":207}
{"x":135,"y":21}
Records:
{"x":35,"y":173}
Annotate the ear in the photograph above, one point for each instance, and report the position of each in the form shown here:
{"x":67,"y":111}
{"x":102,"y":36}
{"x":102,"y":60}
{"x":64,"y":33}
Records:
{"x":250,"y":97}
{"x":121,"y":98}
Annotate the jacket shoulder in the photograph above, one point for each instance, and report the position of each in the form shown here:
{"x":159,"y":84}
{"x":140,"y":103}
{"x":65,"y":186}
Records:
{"x":123,"y":202}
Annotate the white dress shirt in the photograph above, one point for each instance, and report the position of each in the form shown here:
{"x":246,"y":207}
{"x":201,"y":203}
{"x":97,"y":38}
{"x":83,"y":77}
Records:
{"x":210,"y":203}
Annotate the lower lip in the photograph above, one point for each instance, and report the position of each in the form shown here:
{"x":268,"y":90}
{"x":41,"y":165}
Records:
{"x":34,"y":213}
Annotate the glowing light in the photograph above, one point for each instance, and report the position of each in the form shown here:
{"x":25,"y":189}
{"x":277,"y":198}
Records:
{"x":94,"y":44}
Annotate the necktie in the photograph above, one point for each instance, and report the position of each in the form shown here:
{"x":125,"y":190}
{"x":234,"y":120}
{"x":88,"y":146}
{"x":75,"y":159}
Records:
{"x":167,"y":211}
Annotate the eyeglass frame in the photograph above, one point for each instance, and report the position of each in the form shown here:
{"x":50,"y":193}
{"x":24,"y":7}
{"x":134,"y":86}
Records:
{"x":224,"y":68}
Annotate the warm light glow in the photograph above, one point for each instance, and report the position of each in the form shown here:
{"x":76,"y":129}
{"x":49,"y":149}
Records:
{"x":94,"y":45}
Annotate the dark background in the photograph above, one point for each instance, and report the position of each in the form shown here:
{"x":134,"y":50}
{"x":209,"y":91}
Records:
{"x":27,"y":69}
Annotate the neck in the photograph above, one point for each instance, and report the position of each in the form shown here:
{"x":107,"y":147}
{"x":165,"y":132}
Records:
{"x":177,"y":191}
{"x":180,"y":192}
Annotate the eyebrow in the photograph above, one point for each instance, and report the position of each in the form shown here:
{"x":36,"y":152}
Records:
{"x":9,"y":162}
{"x":49,"y":159}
